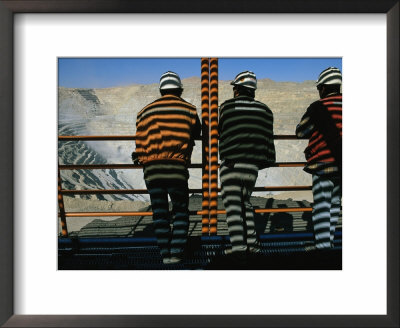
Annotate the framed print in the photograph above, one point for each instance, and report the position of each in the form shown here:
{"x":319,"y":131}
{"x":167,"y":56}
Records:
{"x":34,"y":34}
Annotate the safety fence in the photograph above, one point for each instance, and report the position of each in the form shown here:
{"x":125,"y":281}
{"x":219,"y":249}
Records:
{"x":209,"y":210}
{"x":208,"y":203}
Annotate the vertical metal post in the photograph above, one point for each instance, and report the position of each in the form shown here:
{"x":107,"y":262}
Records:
{"x":213,"y":145}
{"x":205,"y":116}
{"x":64,"y":230}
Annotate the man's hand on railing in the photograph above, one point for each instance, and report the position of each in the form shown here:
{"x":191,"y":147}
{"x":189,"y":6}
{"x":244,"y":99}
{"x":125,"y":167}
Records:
{"x":135,"y":158}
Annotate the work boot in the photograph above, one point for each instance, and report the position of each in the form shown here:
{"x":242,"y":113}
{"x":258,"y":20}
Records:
{"x":255,"y":248}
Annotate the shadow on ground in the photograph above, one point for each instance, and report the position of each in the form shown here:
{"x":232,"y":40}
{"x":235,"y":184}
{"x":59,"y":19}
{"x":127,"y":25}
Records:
{"x":313,"y":260}
{"x":128,"y":243}
{"x":201,"y":254}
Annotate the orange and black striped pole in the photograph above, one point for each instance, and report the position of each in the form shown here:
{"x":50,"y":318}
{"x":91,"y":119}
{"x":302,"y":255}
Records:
{"x":213,"y":145}
{"x":205,"y":116}
{"x":64,"y":230}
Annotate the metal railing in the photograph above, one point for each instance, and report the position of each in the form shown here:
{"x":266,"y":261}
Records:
{"x":205,"y":209}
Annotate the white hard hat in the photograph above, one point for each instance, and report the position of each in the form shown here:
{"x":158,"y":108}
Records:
{"x":331,"y":75}
{"x":246,"y":79}
{"x":170,"y":80}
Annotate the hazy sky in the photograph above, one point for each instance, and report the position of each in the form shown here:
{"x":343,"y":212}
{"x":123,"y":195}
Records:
{"x":111,"y":72}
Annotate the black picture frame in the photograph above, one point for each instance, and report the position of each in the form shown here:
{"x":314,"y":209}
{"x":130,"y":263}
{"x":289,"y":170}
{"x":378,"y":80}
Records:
{"x":10,"y":7}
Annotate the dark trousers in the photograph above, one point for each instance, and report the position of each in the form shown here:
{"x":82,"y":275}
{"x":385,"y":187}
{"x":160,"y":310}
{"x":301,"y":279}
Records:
{"x":327,"y":192}
{"x":171,"y":241}
{"x":237,"y":183}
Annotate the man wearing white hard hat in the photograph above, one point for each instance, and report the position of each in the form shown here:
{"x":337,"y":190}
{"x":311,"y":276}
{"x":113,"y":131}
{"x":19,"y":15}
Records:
{"x":322,"y":124}
{"x":246,"y":145}
{"x":165,"y":134}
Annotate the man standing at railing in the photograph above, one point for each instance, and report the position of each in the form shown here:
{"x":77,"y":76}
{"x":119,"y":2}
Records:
{"x":246,"y":145}
{"x":322,"y":124}
{"x":165,"y":133}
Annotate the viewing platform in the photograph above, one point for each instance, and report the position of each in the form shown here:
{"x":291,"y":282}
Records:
{"x":128,"y":243}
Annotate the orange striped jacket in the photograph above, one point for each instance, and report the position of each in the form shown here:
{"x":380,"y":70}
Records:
{"x":166,"y":129}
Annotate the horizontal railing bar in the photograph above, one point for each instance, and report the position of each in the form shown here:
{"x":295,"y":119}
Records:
{"x":96,"y":138}
{"x":144,"y":191}
{"x":100,"y":138}
{"x":283,"y":188}
{"x":110,"y":166}
{"x":289,"y":164}
{"x":133,"y":166}
{"x":114,"y":191}
{"x":132,"y":137}
{"x":259,"y":210}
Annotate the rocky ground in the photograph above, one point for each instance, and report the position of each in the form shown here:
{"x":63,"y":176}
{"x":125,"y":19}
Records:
{"x":94,"y":205}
